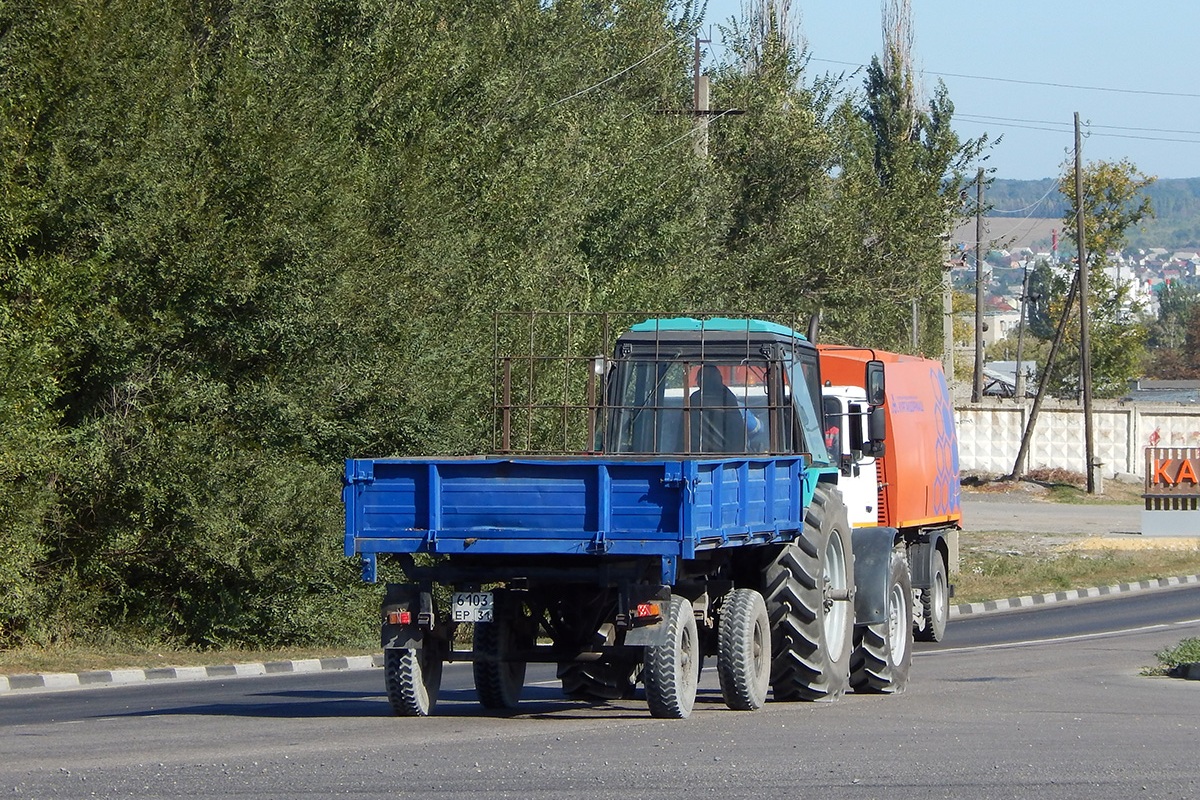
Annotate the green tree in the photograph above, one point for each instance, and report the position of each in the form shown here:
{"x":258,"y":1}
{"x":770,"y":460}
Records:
{"x":1114,"y":201}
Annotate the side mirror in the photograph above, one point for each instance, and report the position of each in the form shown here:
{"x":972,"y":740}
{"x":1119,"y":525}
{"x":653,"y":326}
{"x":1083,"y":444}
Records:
{"x":876,"y":390}
{"x":876,"y":432}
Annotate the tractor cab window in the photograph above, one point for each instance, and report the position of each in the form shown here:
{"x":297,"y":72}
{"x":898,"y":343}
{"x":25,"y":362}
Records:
{"x":806,"y":379}
{"x":714,"y":406}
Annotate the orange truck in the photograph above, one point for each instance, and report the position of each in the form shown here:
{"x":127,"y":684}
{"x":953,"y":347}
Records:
{"x":911,"y":483}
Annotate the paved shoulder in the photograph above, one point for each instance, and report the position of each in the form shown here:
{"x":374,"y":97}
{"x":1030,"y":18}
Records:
{"x":983,"y":512}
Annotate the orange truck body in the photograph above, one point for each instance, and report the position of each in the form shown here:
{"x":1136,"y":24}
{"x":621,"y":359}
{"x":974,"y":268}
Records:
{"x":918,"y":473}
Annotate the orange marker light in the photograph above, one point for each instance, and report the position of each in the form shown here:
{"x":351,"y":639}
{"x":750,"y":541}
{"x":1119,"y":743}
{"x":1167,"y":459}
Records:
{"x":648,"y":610}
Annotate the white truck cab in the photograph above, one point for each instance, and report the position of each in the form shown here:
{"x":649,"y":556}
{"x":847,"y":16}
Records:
{"x":845,"y":413}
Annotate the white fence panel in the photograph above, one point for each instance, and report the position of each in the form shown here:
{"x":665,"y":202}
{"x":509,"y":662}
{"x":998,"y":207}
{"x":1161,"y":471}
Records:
{"x":989,"y":435}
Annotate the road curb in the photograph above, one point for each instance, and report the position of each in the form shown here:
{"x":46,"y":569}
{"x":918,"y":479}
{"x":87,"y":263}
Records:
{"x":1032,"y":601}
{"x":75,"y":680}
{"x":106,"y":677}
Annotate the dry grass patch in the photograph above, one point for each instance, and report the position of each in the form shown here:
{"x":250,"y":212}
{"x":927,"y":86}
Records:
{"x":1000,"y":565}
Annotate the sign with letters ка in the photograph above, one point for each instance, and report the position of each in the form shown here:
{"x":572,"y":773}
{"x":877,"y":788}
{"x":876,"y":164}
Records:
{"x":1172,"y":492}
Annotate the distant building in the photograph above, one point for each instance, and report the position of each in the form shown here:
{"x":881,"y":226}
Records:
{"x":1157,"y":391}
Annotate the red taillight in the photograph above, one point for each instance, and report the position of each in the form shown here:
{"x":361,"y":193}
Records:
{"x":399,"y":618}
{"x":648,"y":610}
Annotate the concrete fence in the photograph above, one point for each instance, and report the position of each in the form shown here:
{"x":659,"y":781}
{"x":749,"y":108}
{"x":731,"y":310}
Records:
{"x":989,"y":434}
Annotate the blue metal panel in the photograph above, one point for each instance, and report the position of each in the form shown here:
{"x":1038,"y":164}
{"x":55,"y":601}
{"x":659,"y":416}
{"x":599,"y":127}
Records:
{"x":572,"y":506}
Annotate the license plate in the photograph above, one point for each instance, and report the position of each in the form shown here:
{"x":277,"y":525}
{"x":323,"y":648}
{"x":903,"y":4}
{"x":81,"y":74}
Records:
{"x":472,"y":607}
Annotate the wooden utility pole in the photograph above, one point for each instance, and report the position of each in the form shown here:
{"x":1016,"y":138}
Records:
{"x":1085,"y":349}
{"x":1019,"y":383}
{"x":700,"y":101}
{"x":977,"y":385}
{"x":1027,"y":437}
{"x":948,"y":322}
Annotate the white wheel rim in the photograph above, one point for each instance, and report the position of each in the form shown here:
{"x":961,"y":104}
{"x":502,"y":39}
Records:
{"x":897,"y":623}
{"x":939,"y":598}
{"x":836,"y":581}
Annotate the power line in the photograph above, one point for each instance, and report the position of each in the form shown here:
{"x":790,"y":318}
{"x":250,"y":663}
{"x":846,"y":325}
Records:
{"x":1030,"y":208}
{"x":616,"y":75}
{"x":1031,"y":83}
{"x":980,"y":120}
{"x":1090,"y":124}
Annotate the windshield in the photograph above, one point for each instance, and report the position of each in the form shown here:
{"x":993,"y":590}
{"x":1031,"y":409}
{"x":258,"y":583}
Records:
{"x":698,"y":407}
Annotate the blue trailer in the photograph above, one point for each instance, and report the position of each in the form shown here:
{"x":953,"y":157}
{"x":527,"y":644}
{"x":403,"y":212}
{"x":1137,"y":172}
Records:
{"x":702,"y":519}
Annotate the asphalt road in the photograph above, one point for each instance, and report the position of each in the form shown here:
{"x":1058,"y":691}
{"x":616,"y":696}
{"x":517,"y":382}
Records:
{"x":994,"y":713}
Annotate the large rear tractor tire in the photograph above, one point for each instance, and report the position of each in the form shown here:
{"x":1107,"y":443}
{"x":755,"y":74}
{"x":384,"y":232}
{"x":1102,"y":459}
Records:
{"x":883,"y":651}
{"x":809,"y":590}
{"x":413,"y":678}
{"x":744,"y":650}
{"x":935,"y":604}
{"x":671,"y":670}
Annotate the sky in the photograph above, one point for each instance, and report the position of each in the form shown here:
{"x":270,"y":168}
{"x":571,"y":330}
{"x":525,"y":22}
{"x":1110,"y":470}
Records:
{"x":1021,"y":69}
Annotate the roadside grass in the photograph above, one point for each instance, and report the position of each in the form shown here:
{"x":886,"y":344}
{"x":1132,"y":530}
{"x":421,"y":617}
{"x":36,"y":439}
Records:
{"x":1186,"y":652}
{"x":989,"y":575}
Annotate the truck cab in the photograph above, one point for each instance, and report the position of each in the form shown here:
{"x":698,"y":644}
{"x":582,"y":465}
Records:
{"x":846,"y":415}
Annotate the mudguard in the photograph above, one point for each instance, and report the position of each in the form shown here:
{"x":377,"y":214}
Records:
{"x":920,"y":559}
{"x":872,"y":572}
{"x":405,"y":597}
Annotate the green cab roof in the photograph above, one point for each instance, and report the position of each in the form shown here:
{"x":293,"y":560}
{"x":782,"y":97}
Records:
{"x":722,"y":324}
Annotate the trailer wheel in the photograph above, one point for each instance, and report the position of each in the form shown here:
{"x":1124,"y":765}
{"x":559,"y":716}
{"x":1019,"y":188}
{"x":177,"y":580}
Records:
{"x":883,"y":652}
{"x":413,"y":678}
{"x":671,"y":669}
{"x":935,"y":603}
{"x":499,"y":681}
{"x":744,"y":650}
{"x":599,"y":680}
{"x":808,"y":595}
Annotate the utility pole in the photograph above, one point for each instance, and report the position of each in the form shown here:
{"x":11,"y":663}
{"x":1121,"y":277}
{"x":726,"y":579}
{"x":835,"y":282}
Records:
{"x":977,"y":385}
{"x":1027,"y":437}
{"x":948,"y":321}
{"x":1085,"y":349}
{"x":916,"y":327}
{"x":700,"y":101}
{"x":1019,"y":389}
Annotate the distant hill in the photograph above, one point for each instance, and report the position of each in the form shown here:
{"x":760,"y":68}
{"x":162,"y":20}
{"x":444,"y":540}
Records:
{"x":1004,"y":233}
{"x":1020,"y":204}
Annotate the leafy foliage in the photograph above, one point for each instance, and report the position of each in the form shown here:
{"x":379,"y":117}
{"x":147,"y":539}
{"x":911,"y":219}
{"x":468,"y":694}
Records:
{"x":1114,"y":201}
{"x":242,"y":241}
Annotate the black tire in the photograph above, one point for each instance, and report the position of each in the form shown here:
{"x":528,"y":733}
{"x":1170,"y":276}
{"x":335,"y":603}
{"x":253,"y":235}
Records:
{"x":499,"y":680}
{"x":883,"y":651}
{"x":671,"y":670}
{"x":413,"y":678}
{"x":599,"y":681}
{"x":808,"y":589}
{"x":594,"y":681}
{"x":744,"y":650}
{"x":935,"y":603}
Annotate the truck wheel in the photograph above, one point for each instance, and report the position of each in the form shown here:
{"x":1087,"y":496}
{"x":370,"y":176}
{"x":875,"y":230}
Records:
{"x":413,"y":678}
{"x":935,"y":604}
{"x":671,"y":669}
{"x":808,"y":596}
{"x":744,"y":650}
{"x":498,"y":681}
{"x":883,"y":652}
{"x":598,"y":680}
